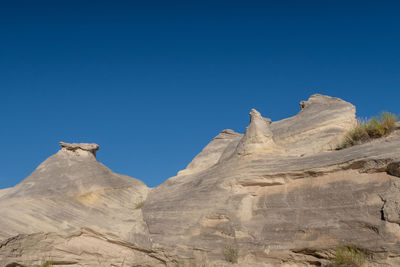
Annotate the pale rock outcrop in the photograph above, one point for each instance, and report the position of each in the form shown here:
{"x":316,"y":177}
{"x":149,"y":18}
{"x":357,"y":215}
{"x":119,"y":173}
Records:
{"x":292,"y":206}
{"x":282,"y":209}
{"x":83,"y":247}
{"x":211,"y":154}
{"x":320,"y":126}
{"x":4,"y":191}
{"x":70,"y":190}
{"x":258,"y":136}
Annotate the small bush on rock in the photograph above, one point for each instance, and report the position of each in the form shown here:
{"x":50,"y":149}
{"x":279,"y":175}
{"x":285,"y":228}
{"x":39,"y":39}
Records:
{"x":231,"y":253}
{"x":348,"y":256}
{"x":139,"y":205}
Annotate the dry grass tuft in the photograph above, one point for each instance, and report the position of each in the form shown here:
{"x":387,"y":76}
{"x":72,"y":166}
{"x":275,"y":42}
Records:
{"x":231,"y":253}
{"x":374,"y":128}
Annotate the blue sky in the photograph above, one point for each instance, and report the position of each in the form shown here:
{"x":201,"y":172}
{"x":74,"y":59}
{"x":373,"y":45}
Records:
{"x":152,"y":82}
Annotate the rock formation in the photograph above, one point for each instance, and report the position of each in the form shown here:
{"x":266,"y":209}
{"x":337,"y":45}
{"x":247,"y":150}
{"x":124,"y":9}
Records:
{"x":70,"y":191}
{"x":211,"y":154}
{"x":258,"y":136}
{"x":81,"y":149}
{"x":280,"y":195}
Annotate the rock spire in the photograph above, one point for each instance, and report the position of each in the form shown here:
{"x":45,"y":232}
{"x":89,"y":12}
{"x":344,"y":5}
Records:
{"x":258,"y":136}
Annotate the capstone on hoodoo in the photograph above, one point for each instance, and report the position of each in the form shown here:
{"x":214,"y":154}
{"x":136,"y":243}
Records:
{"x":80,"y":148}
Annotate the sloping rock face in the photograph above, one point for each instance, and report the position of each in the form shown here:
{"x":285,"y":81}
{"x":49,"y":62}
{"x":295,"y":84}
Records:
{"x":318,"y":127}
{"x":211,"y":154}
{"x":279,"y":194}
{"x":83,"y":247}
{"x":71,"y":190}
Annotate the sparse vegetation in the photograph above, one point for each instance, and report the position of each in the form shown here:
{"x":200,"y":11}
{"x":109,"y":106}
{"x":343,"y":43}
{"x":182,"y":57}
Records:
{"x":231,"y":253}
{"x":139,"y":205}
{"x":348,"y":256}
{"x":47,"y":264}
{"x":366,"y":130}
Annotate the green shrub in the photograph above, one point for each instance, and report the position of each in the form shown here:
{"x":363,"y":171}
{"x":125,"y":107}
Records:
{"x":139,"y":205}
{"x":231,"y":253}
{"x":374,"y":128}
{"x":348,"y":256}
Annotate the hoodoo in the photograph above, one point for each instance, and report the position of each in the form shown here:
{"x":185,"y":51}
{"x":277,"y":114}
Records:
{"x":258,"y":136}
{"x":75,"y":197}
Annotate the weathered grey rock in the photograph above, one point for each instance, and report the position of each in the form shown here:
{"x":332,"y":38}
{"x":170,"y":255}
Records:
{"x":271,"y":207}
{"x":279,"y":194}
{"x":394,"y":169}
{"x":83,"y":247}
{"x":391,"y":199}
{"x":319,"y":126}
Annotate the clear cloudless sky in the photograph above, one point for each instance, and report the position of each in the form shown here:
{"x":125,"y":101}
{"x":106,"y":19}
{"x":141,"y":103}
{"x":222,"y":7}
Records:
{"x":152,"y":82}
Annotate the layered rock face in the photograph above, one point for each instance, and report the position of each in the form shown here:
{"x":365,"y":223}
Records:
{"x":69,"y":191}
{"x":279,"y":194}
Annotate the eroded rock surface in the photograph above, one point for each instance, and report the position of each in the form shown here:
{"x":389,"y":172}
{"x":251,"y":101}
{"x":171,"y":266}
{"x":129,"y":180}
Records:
{"x":211,"y":154}
{"x":69,"y":191}
{"x":279,"y":194}
{"x":83,"y":247}
{"x":320,"y":126}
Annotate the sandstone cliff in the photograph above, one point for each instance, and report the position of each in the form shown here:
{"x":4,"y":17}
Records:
{"x":279,"y":194}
